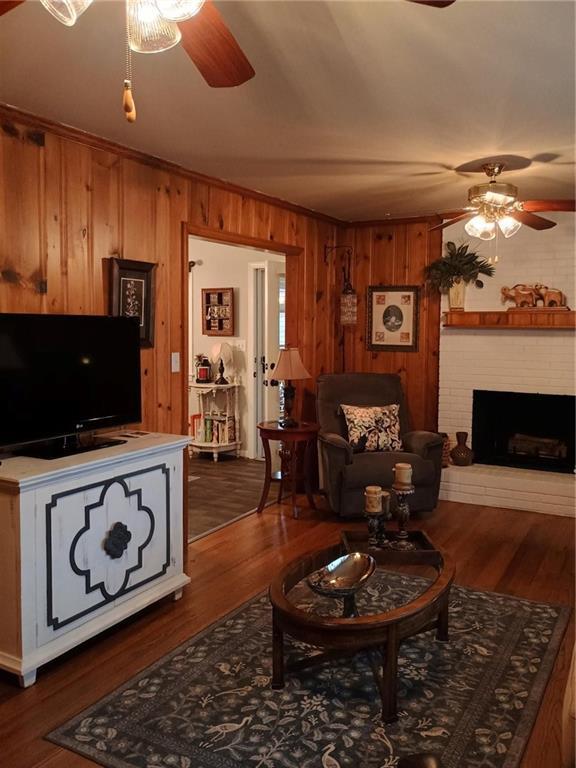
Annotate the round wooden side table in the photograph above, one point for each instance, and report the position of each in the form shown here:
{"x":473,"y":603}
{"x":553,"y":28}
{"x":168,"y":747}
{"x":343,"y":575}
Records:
{"x":291,"y":437}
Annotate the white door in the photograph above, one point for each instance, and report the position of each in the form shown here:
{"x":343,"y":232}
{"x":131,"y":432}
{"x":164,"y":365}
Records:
{"x":268,"y":323}
{"x":274,"y":282}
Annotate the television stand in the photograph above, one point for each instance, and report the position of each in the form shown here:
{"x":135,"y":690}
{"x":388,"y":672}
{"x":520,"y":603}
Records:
{"x":65,"y":446}
{"x":85,"y":542}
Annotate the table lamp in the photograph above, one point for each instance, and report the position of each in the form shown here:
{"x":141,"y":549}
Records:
{"x":289,"y":367}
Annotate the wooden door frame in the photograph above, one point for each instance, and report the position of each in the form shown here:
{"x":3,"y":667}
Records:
{"x":230,"y":238}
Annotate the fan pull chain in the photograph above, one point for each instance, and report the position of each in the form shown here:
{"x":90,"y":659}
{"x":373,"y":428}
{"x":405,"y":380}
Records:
{"x":127,"y":99}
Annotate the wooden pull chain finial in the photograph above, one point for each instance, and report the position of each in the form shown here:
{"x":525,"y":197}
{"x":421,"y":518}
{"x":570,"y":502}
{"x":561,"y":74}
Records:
{"x":128,"y":102}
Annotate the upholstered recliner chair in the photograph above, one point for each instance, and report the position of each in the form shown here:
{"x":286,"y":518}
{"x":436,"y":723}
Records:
{"x":345,"y":473}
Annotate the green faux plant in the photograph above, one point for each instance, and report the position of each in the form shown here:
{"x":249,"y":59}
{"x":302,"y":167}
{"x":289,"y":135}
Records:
{"x":458,"y":265}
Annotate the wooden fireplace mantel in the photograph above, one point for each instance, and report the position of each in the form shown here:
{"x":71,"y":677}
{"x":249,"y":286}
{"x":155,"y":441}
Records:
{"x":532,"y":319}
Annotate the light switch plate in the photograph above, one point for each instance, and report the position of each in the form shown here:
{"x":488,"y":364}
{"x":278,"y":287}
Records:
{"x":175,"y":362}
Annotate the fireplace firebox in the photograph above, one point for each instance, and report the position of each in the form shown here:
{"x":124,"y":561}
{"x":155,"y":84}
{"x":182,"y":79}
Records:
{"x":518,"y":429}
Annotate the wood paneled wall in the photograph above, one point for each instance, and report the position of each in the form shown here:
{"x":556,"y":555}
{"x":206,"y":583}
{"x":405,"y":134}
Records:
{"x":395,"y":253}
{"x":69,"y":201}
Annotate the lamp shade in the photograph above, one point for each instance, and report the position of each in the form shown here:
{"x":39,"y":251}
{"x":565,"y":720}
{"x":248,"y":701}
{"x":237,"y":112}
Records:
{"x":289,"y":366}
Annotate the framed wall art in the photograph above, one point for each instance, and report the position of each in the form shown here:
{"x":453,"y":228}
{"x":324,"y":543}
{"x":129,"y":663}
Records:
{"x":218,"y":311}
{"x":132,"y":294}
{"x":392,"y":318}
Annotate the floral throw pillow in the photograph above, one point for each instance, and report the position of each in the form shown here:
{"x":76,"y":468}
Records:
{"x":375,"y":428}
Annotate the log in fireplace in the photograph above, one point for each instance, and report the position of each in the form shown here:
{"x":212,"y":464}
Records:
{"x":519,"y":429}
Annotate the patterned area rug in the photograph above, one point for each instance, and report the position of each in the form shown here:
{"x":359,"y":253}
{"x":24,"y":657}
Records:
{"x":208,"y":704}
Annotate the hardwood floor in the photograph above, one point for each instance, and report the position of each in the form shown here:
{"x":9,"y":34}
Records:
{"x":518,"y":553}
{"x":220,"y":491}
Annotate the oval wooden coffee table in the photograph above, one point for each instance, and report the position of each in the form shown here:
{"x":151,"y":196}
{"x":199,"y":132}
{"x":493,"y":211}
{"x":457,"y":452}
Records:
{"x":374,"y":631}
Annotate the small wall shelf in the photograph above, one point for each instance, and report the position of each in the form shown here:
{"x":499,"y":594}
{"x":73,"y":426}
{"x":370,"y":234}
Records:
{"x":523,"y":319}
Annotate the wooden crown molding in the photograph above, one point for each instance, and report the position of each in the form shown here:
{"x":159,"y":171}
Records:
{"x":431,"y":219}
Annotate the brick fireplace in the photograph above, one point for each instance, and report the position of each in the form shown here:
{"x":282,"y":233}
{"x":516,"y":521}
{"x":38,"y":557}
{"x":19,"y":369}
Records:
{"x":527,"y":362}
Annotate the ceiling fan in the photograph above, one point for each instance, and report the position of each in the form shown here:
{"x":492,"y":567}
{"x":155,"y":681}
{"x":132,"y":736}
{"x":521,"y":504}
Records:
{"x":153,"y":26}
{"x":157,"y":25}
{"x":205,"y":36}
{"x":495,"y":204}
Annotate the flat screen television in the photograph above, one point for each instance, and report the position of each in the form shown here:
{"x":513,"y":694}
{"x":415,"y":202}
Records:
{"x":66,"y":374}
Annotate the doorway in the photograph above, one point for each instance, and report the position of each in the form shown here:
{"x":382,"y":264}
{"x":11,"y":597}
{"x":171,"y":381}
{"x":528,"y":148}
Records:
{"x":226,"y":483}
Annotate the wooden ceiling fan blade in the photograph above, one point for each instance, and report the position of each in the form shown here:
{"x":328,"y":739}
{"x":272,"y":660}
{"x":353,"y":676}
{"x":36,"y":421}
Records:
{"x":549,"y":205}
{"x":214,"y":50}
{"x":449,"y":222}
{"x":434,"y":3}
{"x":531,"y":220}
{"x":8,"y":5}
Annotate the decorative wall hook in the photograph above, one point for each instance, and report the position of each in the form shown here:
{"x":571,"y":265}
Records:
{"x":328,"y":249}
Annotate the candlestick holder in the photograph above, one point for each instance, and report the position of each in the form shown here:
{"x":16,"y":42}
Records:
{"x":382,"y":541}
{"x":402,"y":492}
{"x":373,"y":512}
{"x":373,"y":523}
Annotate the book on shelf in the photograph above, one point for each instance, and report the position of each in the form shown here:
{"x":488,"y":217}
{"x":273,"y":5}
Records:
{"x":207,"y":429}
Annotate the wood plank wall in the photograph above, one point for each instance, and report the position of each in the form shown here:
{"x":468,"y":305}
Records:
{"x":395,"y":253}
{"x":69,"y":201}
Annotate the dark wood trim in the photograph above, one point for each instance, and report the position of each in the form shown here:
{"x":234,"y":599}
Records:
{"x":8,"y":113}
{"x":232,"y":238}
{"x":432,"y":218}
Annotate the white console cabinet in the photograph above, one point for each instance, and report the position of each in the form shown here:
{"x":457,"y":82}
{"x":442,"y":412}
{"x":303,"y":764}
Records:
{"x":86,"y":541}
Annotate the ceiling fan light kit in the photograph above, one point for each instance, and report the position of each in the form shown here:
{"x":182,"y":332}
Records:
{"x":494,"y":193}
{"x":496,"y":203}
{"x":508,"y":226}
{"x":179,"y":10}
{"x":148,"y":31}
{"x":480,"y":227}
{"x":153,"y":26}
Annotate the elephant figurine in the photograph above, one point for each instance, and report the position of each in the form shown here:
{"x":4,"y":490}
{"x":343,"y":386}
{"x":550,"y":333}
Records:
{"x":550,"y":297}
{"x":522,"y":295}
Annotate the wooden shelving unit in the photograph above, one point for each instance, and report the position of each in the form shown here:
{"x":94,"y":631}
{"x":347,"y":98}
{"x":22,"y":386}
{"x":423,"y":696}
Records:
{"x":223,"y":417}
{"x":521,"y":319}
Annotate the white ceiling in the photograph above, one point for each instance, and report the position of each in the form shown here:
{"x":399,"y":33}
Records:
{"x":358,"y":109}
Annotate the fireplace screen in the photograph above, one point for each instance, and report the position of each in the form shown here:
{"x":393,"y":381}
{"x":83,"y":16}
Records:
{"x":521,"y":429}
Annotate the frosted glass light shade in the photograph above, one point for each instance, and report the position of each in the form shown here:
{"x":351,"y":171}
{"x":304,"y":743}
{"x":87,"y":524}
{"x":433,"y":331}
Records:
{"x":148,"y":32}
{"x":66,"y":11}
{"x":179,"y":10}
{"x":479,"y":227}
{"x":508,"y":226}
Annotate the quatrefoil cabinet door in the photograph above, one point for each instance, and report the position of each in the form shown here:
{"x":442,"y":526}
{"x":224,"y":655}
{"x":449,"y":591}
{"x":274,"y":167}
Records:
{"x":105,"y":541}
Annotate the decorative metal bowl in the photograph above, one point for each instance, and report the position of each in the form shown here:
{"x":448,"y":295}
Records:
{"x":344,"y":576}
